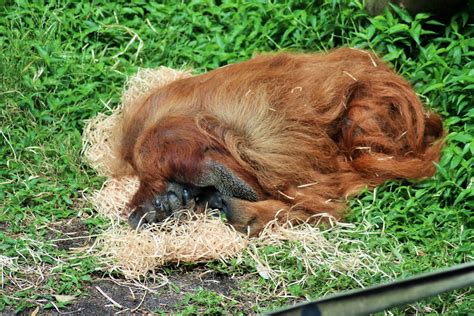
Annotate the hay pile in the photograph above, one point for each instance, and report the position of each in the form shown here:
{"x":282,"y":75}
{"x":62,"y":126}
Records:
{"x":189,"y":237}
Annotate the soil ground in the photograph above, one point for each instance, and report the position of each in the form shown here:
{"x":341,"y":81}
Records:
{"x":106,"y":296}
{"x":129,"y":298}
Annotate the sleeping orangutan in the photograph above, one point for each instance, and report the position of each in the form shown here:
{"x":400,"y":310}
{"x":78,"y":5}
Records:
{"x":287,"y":135}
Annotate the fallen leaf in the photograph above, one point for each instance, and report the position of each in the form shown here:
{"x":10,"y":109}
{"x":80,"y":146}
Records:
{"x":263,"y":271}
{"x":64,"y":298}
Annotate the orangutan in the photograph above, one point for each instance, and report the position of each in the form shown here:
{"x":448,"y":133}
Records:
{"x":289,"y":135}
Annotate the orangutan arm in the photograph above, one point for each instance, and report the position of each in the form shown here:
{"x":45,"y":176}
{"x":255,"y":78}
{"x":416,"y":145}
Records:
{"x":213,"y":188}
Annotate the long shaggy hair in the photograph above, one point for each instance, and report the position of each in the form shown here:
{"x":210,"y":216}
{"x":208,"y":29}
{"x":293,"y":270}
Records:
{"x":288,"y":134}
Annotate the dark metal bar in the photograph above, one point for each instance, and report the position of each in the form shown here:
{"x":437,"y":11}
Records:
{"x":382,"y":297}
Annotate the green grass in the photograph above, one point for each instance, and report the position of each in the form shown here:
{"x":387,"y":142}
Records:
{"x":62,"y":63}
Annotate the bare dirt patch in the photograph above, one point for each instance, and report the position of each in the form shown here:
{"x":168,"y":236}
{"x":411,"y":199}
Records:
{"x":108,"y":297}
{"x":4,"y":226}
{"x":68,"y":234}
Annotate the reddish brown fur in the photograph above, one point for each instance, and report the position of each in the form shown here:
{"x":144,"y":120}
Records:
{"x":304,"y":130}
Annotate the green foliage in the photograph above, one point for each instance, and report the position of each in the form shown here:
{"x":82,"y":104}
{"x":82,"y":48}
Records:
{"x":61,"y":63}
{"x":205,"y":302}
